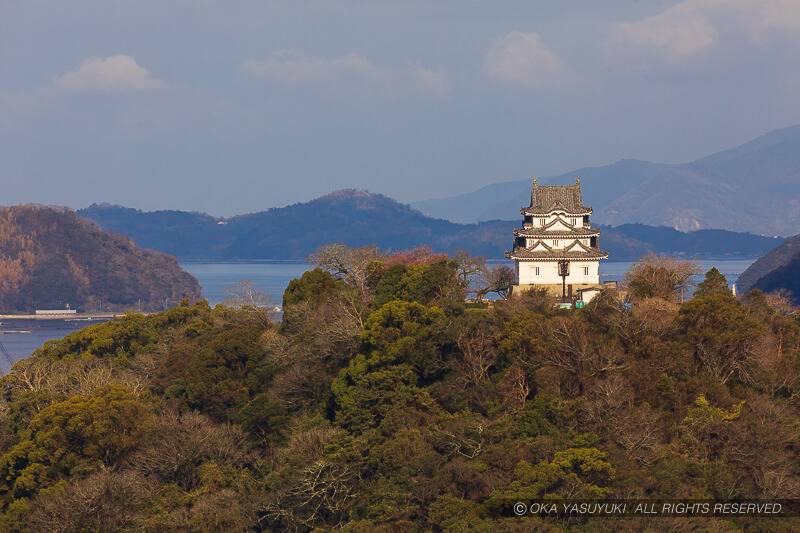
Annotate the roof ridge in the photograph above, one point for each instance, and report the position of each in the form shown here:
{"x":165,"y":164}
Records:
{"x":551,"y":197}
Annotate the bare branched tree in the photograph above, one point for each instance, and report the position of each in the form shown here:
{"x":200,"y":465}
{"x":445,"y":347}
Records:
{"x":471,"y":270}
{"x":515,"y":388}
{"x":658,"y":276}
{"x":499,"y":280}
{"x":244,"y":296}
{"x":577,"y":352}
{"x":479,"y":353}
{"x":352,"y":265}
{"x":479,"y":279}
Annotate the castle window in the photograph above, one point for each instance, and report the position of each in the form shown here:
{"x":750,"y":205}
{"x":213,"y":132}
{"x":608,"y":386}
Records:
{"x":573,"y":221}
{"x":555,"y":243}
{"x":536,"y":271}
{"x":585,"y":271}
{"x":542,"y":221}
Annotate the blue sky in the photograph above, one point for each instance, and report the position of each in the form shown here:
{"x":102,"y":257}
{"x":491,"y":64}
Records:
{"x":236,"y":106}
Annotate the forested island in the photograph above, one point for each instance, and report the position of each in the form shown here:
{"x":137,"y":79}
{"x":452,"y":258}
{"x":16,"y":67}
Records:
{"x":51,"y":258}
{"x":383,"y":402}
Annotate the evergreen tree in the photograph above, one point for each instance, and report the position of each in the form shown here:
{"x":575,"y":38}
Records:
{"x":714,"y":283}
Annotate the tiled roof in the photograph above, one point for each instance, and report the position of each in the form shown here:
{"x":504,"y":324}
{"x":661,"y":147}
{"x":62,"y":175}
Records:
{"x":544,"y":231}
{"x":577,"y":250}
{"x":549,"y":198}
{"x":544,"y":234}
{"x":523,"y":254}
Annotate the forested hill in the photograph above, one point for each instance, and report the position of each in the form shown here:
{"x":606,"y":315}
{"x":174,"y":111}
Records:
{"x":50,"y":258}
{"x":359,"y":218}
{"x":383,"y":403}
{"x":778,"y":270}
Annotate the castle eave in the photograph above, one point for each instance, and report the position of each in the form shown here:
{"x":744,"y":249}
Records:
{"x":550,"y":210}
{"x":528,"y":255}
{"x":542,"y":233}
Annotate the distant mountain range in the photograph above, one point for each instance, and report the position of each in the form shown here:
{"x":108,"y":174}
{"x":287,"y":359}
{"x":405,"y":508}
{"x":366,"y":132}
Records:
{"x":359,"y":218}
{"x":754,"y":188}
{"x":51,"y":258}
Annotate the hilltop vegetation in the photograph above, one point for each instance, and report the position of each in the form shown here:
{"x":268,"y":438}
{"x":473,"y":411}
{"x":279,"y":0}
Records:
{"x":51,"y":258}
{"x":358,"y":218}
{"x":383,"y":403}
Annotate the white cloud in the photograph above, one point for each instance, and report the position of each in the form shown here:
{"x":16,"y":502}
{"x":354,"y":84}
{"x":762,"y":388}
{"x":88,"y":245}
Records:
{"x":119,"y":73}
{"x":293,"y":68}
{"x":693,"y":28}
{"x":522,"y":60}
{"x":679,"y":32}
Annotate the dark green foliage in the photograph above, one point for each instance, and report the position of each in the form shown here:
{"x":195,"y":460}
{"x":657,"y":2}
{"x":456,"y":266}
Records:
{"x":219,"y":371}
{"x":312,"y":287}
{"x":714,"y":283}
{"x":721,"y":334}
{"x":125,"y":336}
{"x":408,"y":332}
{"x":72,"y":437}
{"x":391,"y":408}
{"x":425,"y":283}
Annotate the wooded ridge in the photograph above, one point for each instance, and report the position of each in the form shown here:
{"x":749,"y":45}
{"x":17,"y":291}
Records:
{"x":358,"y":218}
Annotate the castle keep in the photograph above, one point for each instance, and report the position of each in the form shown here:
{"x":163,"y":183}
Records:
{"x":557,"y":248}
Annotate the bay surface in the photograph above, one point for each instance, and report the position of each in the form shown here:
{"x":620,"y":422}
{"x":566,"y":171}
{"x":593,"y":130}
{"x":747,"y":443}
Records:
{"x":22,"y":337}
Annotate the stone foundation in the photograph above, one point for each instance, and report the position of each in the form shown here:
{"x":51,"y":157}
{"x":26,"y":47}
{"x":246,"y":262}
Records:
{"x":555,"y":290}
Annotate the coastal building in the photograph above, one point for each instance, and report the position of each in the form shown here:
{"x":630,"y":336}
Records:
{"x":557,"y":248}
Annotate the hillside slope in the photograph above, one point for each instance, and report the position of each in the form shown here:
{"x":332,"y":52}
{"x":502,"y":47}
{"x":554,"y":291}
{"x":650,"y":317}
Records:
{"x":359,"y":218}
{"x":779,"y":269}
{"x":410,"y":411}
{"x":754,"y":188}
{"x":51,"y":258}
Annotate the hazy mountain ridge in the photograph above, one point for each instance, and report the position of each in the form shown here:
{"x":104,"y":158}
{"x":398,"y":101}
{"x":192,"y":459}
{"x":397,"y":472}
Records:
{"x":754,"y":187}
{"x":358,"y":218}
{"x":50,"y":258}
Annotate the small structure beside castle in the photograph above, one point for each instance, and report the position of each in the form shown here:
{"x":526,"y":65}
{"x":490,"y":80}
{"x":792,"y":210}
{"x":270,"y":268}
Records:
{"x":557,"y":248}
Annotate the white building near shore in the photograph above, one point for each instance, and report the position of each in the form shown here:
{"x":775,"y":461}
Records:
{"x":557,"y":248}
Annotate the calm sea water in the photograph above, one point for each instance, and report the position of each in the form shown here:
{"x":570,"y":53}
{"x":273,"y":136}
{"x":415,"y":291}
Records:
{"x":22,"y":337}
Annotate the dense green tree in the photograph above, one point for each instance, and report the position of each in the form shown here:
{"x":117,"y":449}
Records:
{"x":714,"y":283}
{"x":409,"y":332}
{"x":312,"y":287}
{"x":425,"y":283}
{"x":722,"y":336}
{"x":73,"y":437}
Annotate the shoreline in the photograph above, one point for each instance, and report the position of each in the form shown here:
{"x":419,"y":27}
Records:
{"x":66,"y":316}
